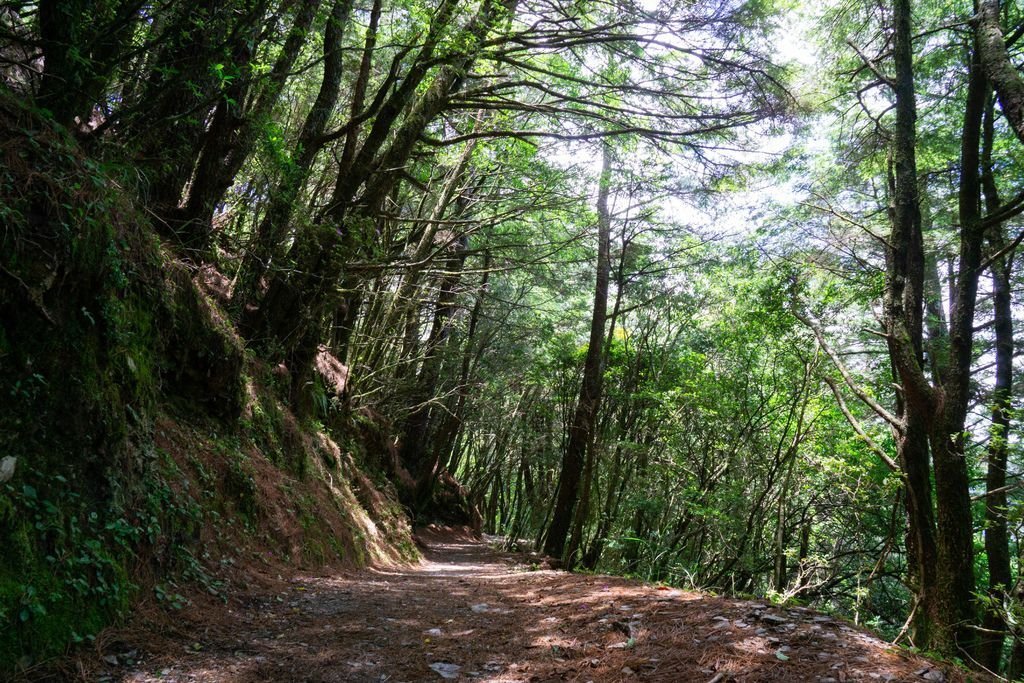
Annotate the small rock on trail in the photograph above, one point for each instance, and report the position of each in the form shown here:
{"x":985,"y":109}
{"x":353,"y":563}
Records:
{"x":446,"y":670}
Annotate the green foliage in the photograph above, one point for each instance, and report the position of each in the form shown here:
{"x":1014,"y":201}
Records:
{"x":706,"y":391}
{"x":64,"y":576}
{"x":450,"y":270}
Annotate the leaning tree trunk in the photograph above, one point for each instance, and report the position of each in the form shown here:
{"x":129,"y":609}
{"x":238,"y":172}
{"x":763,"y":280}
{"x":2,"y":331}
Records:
{"x":266,"y":244}
{"x":234,"y":129}
{"x":415,"y":453}
{"x":585,"y":415}
{"x":447,"y":433}
{"x":180,"y":90}
{"x":297,"y":300}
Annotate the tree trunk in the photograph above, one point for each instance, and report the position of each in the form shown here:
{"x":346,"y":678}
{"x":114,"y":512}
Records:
{"x":447,"y":433}
{"x":581,"y":514}
{"x":902,"y":318}
{"x":998,"y":67}
{"x":781,"y":570}
{"x":997,"y":541}
{"x":234,"y":130}
{"x":617,"y":483}
{"x":415,"y":433}
{"x":266,"y":244}
{"x":585,"y":415}
{"x":82,"y":42}
{"x":955,"y":605}
{"x":345,"y":318}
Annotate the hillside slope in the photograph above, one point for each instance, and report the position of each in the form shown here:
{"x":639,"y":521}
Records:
{"x":141,"y":445}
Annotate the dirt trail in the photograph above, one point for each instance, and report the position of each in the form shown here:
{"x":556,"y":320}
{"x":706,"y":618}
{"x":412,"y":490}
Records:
{"x":469,"y":613}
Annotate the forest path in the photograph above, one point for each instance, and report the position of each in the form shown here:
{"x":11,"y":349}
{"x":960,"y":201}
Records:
{"x":470,"y":613}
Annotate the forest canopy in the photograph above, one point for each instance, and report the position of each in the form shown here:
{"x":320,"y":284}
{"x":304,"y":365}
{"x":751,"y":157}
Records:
{"x":717,"y":293}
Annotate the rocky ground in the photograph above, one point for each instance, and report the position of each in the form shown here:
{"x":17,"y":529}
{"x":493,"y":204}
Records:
{"x":470,"y":613}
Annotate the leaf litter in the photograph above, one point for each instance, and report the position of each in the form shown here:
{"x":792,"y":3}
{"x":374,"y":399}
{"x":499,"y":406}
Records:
{"x":470,"y":613}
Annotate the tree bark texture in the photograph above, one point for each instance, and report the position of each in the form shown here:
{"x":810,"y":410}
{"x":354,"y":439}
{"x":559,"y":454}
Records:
{"x":995,"y":60}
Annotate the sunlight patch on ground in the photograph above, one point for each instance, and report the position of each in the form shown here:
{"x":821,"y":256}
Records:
{"x":457,"y":568}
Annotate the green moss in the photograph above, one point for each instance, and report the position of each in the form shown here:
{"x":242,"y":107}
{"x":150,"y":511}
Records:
{"x":241,"y":485}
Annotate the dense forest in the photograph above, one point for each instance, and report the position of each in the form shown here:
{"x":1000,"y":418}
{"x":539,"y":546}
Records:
{"x":716,"y":293}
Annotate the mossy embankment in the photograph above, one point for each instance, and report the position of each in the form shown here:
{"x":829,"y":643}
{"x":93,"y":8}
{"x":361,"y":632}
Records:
{"x":142,"y":446}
